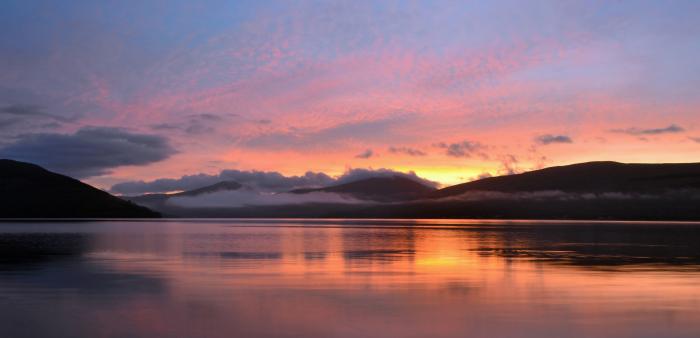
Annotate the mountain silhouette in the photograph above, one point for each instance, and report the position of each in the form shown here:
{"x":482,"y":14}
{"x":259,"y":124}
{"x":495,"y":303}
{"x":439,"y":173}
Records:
{"x":385,"y":189}
{"x":590,"y":177}
{"x":220,"y":186}
{"x":28,"y":190}
{"x":594,"y":190}
{"x":158,"y":201}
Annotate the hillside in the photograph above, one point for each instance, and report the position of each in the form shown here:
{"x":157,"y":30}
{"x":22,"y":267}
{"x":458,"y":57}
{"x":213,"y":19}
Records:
{"x":590,"y":177}
{"x":29,"y":191}
{"x":595,"y":190}
{"x":158,"y":201}
{"x":384,"y":189}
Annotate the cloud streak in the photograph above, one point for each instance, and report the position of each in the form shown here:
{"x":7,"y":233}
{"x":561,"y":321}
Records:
{"x":302,"y":139}
{"x":671,"y":129}
{"x":464,"y":149}
{"x":193,"y":124}
{"x":29,"y":117}
{"x":31,"y":111}
{"x":365,"y":154}
{"x":407,"y":151}
{"x":552,"y":139}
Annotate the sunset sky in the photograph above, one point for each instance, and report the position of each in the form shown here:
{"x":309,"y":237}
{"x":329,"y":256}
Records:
{"x":121,"y":91}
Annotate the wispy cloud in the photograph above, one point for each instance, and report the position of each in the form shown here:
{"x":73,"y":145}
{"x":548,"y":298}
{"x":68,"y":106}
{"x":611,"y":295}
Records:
{"x":382,"y":129}
{"x":26,"y":118}
{"x":549,"y":139}
{"x":509,"y":164}
{"x":463,"y":149}
{"x":365,"y":154}
{"x":31,"y":111}
{"x":165,"y":126}
{"x":194,"y":124}
{"x":671,"y":129}
{"x":406,"y":151}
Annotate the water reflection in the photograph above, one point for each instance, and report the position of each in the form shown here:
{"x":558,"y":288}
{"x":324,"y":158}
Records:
{"x":349,"y":278}
{"x":658,"y":246}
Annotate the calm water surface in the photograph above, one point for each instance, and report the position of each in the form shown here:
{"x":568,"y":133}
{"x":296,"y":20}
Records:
{"x":346,"y":278}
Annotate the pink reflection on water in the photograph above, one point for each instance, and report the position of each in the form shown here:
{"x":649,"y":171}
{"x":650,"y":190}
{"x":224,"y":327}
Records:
{"x":395,"y":281}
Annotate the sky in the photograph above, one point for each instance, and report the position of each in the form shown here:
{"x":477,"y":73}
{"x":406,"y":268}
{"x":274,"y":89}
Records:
{"x":140,"y":93}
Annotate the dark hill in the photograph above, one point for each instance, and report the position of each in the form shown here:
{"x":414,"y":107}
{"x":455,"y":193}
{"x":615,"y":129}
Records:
{"x":640,"y":192}
{"x":591,"y":177}
{"x":221,"y":186}
{"x":385,"y":189}
{"x":29,"y":191}
{"x":157,"y":201}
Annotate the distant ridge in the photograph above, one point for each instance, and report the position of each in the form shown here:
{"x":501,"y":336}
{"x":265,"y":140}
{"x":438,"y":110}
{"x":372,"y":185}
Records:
{"x":593,"y":190}
{"x":589,"y":177}
{"x":221,"y":186}
{"x":386,"y":189}
{"x":30,"y":191}
{"x":157,"y":201}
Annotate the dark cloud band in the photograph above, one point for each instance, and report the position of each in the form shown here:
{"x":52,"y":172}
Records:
{"x":365,"y":154}
{"x":465,"y":149}
{"x":552,"y":139}
{"x":671,"y":129}
{"x":406,"y":151}
{"x":91,"y":151}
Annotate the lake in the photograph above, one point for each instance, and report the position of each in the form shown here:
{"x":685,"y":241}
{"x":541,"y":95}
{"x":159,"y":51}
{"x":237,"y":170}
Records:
{"x":349,"y":278}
